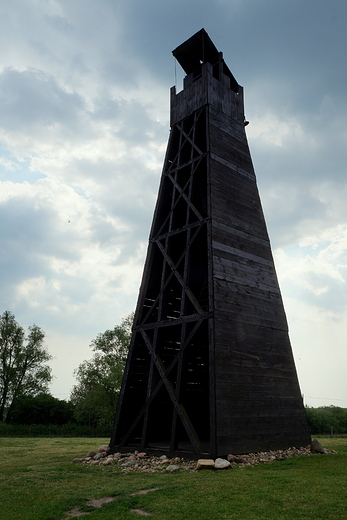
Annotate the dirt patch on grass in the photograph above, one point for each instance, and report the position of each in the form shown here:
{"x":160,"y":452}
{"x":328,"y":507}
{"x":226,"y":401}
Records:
{"x":100,"y":501}
{"x":144,"y":491}
{"x":74,"y":512}
{"x":97,"y":503}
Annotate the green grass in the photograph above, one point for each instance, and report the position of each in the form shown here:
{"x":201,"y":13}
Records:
{"x":39,"y":482}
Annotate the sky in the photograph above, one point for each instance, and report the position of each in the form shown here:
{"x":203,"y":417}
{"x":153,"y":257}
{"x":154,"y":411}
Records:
{"x":84,"y":123}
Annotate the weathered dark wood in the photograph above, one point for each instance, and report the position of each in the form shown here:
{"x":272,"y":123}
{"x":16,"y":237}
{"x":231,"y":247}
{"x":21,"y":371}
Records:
{"x":210,"y":369}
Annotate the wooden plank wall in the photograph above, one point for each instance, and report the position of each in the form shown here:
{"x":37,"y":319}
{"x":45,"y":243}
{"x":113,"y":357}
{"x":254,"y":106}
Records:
{"x":202,"y":90}
{"x":258,"y":400}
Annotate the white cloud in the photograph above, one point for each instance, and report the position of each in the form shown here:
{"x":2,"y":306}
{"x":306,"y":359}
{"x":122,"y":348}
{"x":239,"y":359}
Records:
{"x":323,"y":258}
{"x":63,"y":265}
{"x":271,"y":129}
{"x":318,"y":341}
{"x":8,"y":164}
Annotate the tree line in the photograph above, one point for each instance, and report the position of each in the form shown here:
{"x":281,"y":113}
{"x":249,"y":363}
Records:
{"x":327,"y":420}
{"x":27,"y":407}
{"x":25,"y":377}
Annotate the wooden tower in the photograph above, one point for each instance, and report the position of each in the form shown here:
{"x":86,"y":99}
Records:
{"x":210,"y":369}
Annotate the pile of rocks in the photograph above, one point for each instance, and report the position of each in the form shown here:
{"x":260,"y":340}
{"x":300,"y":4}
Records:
{"x":141,"y":462}
{"x":136,"y":461}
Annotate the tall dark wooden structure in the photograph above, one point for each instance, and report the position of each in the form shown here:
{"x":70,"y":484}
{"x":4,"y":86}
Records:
{"x":210,"y":368}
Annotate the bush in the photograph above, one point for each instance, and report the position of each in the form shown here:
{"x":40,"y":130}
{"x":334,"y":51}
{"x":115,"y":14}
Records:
{"x":41,"y":409}
{"x":327,"y":419}
{"x":50,"y":430}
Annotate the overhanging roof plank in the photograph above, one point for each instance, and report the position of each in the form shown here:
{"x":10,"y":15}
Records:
{"x":196,"y":50}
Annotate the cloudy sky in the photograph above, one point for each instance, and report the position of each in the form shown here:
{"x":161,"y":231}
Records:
{"x":84,"y":122}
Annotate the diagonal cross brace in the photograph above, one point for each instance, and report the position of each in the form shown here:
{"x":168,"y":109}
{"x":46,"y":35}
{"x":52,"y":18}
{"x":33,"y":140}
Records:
{"x":187,"y":138}
{"x":161,"y":382}
{"x":194,"y":164}
{"x":194,"y":439}
{"x":175,"y":272}
{"x":180,"y":279}
{"x":184,"y":196}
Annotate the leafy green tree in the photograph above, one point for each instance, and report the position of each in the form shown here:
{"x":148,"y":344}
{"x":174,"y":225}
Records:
{"x":23,"y":369}
{"x":99,"y":379}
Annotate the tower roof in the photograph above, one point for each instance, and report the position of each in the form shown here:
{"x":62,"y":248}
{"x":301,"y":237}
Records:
{"x":199,"y":49}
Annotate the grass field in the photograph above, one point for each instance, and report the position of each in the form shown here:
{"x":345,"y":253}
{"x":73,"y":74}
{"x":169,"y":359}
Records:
{"x":39,"y":482}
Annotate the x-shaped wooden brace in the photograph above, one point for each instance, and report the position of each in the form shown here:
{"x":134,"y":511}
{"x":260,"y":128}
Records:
{"x":174,"y":272}
{"x":194,"y":166}
{"x":187,"y":137}
{"x":181,"y":412}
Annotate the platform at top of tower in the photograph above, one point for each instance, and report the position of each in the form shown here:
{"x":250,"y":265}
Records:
{"x":199,"y":49}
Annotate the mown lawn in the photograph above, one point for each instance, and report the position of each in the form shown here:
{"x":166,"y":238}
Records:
{"x":39,"y":482}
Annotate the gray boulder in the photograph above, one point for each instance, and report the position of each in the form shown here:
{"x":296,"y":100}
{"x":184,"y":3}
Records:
{"x":99,"y":456}
{"x":221,"y":464}
{"x":129,"y":463}
{"x":317,"y":447}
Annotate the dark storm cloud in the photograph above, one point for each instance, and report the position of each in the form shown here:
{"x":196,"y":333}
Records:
{"x":32,"y":97}
{"x":291,"y":41}
{"x":130,"y":119}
